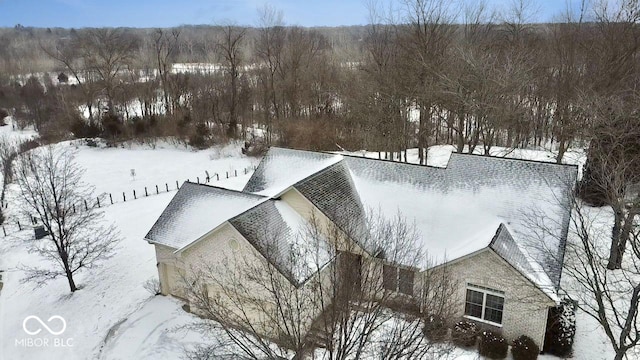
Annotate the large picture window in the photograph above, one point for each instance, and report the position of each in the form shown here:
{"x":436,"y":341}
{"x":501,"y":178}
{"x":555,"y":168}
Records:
{"x":484,"y":304}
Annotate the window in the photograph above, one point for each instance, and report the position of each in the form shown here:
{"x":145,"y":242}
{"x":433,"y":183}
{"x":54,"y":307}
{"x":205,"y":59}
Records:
{"x":390,"y":277}
{"x":397,"y":279}
{"x":484,"y":304}
{"x":406,"y":282}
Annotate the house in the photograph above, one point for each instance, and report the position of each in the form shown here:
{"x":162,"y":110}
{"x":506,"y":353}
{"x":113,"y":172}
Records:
{"x":499,"y":226}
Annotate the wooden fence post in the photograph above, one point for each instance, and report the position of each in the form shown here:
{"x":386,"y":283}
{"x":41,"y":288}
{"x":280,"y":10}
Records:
{"x":134,"y":195}
{"x":74,"y":208}
{"x":227,"y":174}
{"x":145,"y":191}
{"x":86,"y":207}
{"x":98,"y":199}
{"x":157,"y":191}
{"x":217,"y":177}
{"x":124,"y":197}
{"x":167,"y":186}
{"x":177,"y":186}
{"x":4,"y":231}
{"x":198,"y":179}
{"x":235,"y":173}
{"x":111,"y":198}
{"x":19,"y":226}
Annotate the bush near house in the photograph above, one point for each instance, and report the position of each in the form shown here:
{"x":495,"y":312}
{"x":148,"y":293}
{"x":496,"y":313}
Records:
{"x":435,"y":328}
{"x":561,"y":329}
{"x":492,"y":345}
{"x":524,"y":348}
{"x":465,"y":333}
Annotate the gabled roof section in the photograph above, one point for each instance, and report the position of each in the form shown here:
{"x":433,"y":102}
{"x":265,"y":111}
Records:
{"x":333,"y":192}
{"x":285,"y":239}
{"x":451,"y":205}
{"x":196,"y":210}
{"x":281,"y":168}
{"x":506,"y":247}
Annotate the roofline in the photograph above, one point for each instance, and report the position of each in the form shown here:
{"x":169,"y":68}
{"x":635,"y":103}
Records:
{"x":225,"y":189}
{"x":292,"y":186}
{"x":452,"y":154}
{"x":184,"y":247}
{"x":537,"y":286}
{"x":208,"y":233}
{"x":458,"y":259}
{"x":332,"y":222}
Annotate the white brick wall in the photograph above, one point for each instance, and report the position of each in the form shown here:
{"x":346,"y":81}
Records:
{"x":525,"y":306}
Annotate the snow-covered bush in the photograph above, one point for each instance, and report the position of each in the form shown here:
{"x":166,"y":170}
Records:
{"x":435,"y":328}
{"x":465,"y":333}
{"x":492,"y":345}
{"x":562,"y":329}
{"x":524,"y":348}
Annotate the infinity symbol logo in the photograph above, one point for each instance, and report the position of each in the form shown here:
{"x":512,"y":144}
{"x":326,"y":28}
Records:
{"x":42,"y":324}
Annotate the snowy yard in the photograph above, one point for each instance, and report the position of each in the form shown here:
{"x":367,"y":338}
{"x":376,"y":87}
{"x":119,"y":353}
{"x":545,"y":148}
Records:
{"x":113,"y":316}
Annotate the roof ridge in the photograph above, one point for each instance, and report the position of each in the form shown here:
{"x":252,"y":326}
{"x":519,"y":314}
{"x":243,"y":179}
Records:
{"x":240,"y":192}
{"x":511,"y":159}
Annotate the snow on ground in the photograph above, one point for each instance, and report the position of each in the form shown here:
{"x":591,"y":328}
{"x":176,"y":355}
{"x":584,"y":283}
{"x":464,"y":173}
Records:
{"x":114,"y":292}
{"x":113,"y":316}
{"x":110,"y":169}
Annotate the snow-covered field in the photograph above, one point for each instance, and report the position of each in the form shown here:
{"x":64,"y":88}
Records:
{"x":113,"y":316}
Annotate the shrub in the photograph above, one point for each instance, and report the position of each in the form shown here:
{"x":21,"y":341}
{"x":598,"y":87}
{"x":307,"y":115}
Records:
{"x":63,"y":78}
{"x":435,"y":328}
{"x":255,"y":147}
{"x":111,"y":126}
{"x":82,"y":128}
{"x":524,"y":348}
{"x":200,"y":137}
{"x":28,"y":145}
{"x":561,"y":329}
{"x":153,"y":286}
{"x":492,"y":345}
{"x":464,"y":333}
{"x":3,"y":113}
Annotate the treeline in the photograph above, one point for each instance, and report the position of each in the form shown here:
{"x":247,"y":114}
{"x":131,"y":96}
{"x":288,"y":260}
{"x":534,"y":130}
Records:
{"x":430,"y":75}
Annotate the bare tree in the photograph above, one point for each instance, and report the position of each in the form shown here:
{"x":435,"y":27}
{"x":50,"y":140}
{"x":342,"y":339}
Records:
{"x":611,"y":297}
{"x":8,"y":152}
{"x":230,"y":48}
{"x":165,"y":48}
{"x":52,"y":191}
{"x":107,"y":53}
{"x":347,"y":305}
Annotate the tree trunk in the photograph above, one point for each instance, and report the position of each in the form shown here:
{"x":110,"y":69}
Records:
{"x":614,"y":251}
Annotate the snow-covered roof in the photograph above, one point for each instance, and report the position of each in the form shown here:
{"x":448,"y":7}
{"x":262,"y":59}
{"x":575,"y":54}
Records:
{"x":196,"y":210}
{"x":281,"y":168}
{"x":457,"y":210}
{"x":284,"y":238}
{"x":473,"y":203}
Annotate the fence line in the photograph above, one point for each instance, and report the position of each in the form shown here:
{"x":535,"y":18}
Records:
{"x":108,"y":199}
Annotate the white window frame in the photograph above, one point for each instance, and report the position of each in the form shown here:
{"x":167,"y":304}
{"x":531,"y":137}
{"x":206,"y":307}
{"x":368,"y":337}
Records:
{"x":484,"y":290}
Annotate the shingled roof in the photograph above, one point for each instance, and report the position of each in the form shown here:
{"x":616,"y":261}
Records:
{"x":196,"y":210}
{"x":473,"y":203}
{"x":457,"y":209}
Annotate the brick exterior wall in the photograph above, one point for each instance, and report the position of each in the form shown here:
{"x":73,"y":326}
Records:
{"x":525,"y":306}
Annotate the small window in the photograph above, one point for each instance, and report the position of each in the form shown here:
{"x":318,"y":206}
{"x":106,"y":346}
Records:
{"x":398,"y":279}
{"x":406,"y":282}
{"x":390,"y":277}
{"x":484,"y":304}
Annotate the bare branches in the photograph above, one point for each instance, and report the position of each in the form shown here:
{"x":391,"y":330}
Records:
{"x":343,"y":308}
{"x":50,"y":187}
